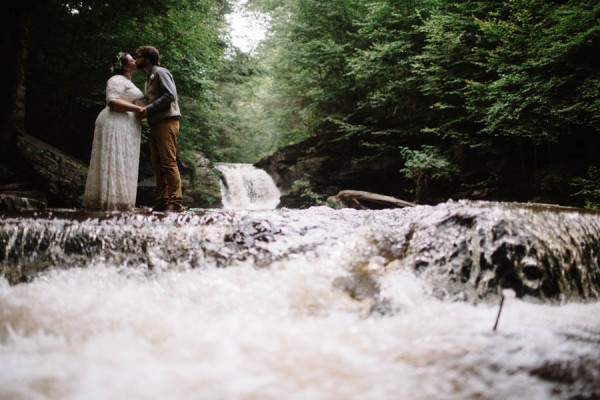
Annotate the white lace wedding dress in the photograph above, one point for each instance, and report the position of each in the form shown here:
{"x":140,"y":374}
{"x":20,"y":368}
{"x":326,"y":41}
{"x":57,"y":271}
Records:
{"x":113,"y":171}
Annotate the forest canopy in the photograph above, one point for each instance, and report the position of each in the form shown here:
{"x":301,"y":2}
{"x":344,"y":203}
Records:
{"x":490,"y":89}
{"x":504,"y":90}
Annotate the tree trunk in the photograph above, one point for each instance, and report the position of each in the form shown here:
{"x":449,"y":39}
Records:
{"x":64,"y":175}
{"x":15,"y":21}
{"x":366,"y":200}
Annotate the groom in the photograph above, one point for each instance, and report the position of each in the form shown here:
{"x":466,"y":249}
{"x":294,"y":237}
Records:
{"x":162,"y":111}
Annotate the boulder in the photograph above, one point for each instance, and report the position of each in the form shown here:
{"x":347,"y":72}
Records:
{"x":19,"y":197}
{"x":200,"y":183}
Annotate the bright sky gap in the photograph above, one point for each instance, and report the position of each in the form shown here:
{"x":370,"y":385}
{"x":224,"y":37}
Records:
{"x":246,"y":28}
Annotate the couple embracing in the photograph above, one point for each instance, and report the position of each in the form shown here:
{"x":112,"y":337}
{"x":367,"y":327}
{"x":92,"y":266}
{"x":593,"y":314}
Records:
{"x":113,"y":172}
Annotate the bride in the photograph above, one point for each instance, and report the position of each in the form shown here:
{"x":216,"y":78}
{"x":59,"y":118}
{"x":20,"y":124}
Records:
{"x":112,"y":175}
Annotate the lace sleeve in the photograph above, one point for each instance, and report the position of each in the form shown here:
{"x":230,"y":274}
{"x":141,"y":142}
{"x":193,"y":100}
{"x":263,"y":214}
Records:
{"x":115,"y":87}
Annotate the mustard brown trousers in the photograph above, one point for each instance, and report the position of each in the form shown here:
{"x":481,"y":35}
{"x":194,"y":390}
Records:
{"x":163,"y":155}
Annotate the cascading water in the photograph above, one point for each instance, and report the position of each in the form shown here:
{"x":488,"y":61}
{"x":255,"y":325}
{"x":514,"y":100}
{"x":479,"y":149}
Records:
{"x":302,"y":304}
{"x":248,"y":188}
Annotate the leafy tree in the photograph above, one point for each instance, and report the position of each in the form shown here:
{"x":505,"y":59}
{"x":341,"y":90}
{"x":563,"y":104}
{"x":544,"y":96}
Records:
{"x":509,"y":84}
{"x":424,"y":165}
{"x":243,"y":126}
{"x":446,"y":65}
{"x":311,"y":43}
{"x":384,"y":69}
{"x":72,"y":44}
{"x":494,"y":82}
{"x":544,"y":78}
{"x":589,"y":188}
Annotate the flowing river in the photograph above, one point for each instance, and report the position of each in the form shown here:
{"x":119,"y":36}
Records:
{"x":302,"y":304}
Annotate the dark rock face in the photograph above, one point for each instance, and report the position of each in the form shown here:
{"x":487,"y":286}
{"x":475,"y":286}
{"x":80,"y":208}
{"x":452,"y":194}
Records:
{"x":199,"y":183}
{"x":16,"y":197}
{"x":205,"y":188}
{"x":309,"y":172}
{"x":325,"y":166}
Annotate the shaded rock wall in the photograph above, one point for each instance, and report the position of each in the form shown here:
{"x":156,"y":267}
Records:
{"x":326,"y":165}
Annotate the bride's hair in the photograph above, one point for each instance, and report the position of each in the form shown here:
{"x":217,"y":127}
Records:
{"x":149,"y":53}
{"x":118,"y":63}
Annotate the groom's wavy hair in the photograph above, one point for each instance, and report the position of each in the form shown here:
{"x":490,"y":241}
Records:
{"x":149,"y":53}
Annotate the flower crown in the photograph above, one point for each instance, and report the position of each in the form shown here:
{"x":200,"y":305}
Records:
{"x":117,"y":65}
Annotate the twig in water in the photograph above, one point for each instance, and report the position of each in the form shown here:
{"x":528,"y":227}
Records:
{"x":499,"y":312}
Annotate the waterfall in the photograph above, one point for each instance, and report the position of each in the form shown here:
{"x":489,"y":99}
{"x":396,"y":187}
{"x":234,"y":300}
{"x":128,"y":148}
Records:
{"x":247,"y":188}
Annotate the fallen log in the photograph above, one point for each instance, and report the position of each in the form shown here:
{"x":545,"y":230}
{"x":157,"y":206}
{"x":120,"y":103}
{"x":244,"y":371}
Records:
{"x":361,"y":200}
{"x":63,"y":174}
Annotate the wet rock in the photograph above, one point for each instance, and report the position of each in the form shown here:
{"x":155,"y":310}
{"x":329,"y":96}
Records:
{"x":17,"y":197}
{"x":473,"y":250}
{"x":362,"y":286}
{"x":468,"y":251}
{"x":199,"y":182}
{"x":19,"y":203}
{"x":572,"y":379}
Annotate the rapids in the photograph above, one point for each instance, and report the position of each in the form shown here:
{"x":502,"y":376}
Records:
{"x":301,"y":304}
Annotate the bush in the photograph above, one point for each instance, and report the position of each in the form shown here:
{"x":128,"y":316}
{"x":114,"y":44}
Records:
{"x":589,"y":188}
{"x":423,"y":166}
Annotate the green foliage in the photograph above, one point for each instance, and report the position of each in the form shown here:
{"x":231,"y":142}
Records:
{"x":244,"y":125}
{"x":543,"y":76}
{"x":310,"y":46}
{"x":589,"y":188}
{"x":384,"y":68}
{"x":71,"y":47}
{"x":497,"y":79}
{"x":301,"y":189}
{"x":424,"y":165}
{"x":444,"y":68}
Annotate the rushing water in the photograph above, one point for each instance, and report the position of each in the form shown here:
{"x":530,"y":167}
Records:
{"x":301,"y":304}
{"x":245,"y":187}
